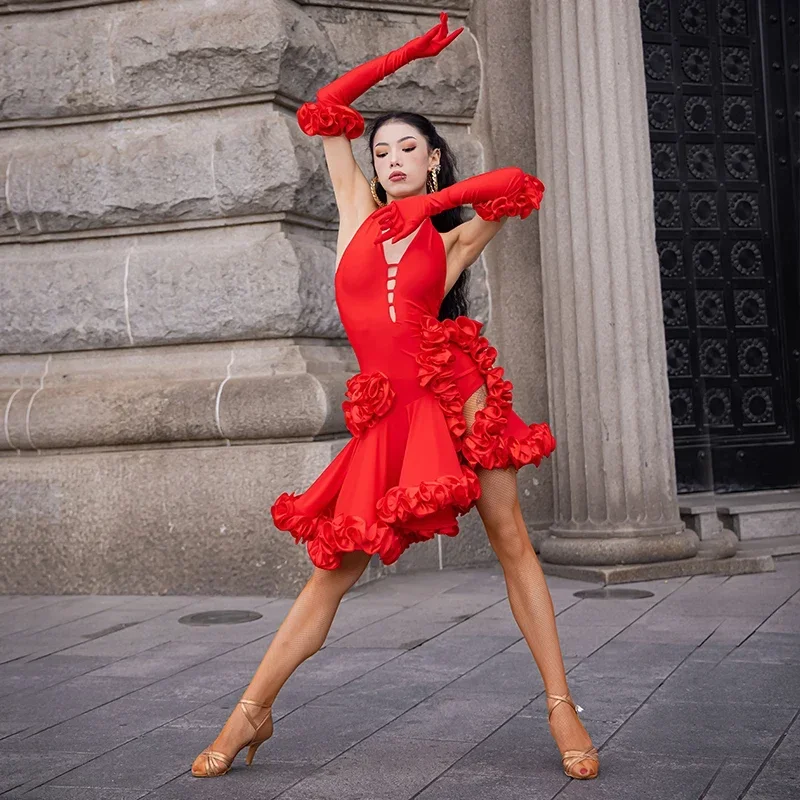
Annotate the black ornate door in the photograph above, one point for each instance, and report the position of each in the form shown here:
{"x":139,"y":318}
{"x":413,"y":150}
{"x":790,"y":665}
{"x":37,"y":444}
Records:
{"x":722,"y":90}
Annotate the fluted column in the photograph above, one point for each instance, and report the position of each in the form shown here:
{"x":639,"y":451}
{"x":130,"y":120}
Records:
{"x":615,"y":491}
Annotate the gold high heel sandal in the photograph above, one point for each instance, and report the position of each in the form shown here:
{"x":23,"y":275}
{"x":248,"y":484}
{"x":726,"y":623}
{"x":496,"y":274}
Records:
{"x":571,"y":757}
{"x":217,"y":763}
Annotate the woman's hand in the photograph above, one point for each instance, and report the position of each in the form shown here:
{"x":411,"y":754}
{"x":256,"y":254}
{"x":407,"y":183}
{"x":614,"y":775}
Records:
{"x":400,"y":217}
{"x":434,"y":41}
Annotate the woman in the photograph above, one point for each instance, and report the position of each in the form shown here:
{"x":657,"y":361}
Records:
{"x":433,"y":429}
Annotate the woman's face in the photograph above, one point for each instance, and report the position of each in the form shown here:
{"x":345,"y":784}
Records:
{"x":402,"y":159}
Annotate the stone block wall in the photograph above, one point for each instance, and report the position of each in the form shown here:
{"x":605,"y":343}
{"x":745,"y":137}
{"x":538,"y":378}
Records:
{"x":171,"y":358}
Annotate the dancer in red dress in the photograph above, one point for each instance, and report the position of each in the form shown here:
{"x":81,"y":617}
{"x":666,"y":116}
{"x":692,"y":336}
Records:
{"x":433,"y":428}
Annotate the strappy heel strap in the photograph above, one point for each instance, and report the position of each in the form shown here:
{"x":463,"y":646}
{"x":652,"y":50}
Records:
{"x":569,"y":758}
{"x":216,"y":763}
{"x":572,"y":757}
{"x":561,"y":698}
{"x":256,"y":740}
{"x":256,"y":725}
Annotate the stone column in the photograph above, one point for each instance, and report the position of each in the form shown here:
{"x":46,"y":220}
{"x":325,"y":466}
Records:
{"x":614,"y":484}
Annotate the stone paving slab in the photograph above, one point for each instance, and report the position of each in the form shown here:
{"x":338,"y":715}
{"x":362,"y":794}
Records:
{"x":425,"y":689}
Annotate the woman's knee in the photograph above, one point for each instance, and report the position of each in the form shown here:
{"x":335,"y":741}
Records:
{"x":346,"y":574}
{"x":509,"y":543}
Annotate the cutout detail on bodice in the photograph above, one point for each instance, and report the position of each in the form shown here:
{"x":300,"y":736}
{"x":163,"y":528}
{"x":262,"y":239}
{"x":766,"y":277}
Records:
{"x":390,"y":283}
{"x":392,"y":269}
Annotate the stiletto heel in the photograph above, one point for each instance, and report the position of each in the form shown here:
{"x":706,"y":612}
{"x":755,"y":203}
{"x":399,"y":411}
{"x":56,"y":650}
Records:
{"x":569,"y":758}
{"x":251,"y":751}
{"x":217,"y":763}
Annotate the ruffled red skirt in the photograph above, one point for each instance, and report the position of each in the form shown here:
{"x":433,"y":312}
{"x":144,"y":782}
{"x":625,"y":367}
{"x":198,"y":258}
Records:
{"x":409,"y":470}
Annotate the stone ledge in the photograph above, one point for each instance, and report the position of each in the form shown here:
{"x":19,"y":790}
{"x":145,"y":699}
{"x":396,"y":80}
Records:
{"x":740,"y":564}
{"x":187,"y":172}
{"x":446,"y":86}
{"x":251,"y":391}
{"x":168,"y":54}
{"x":43,"y":6}
{"x":162,"y":53}
{"x":224,"y":284}
{"x":251,"y":160}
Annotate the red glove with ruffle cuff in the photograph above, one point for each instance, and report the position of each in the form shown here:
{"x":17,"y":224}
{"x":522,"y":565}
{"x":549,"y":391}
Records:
{"x":330,"y":114}
{"x":504,"y":192}
{"x":330,"y":120}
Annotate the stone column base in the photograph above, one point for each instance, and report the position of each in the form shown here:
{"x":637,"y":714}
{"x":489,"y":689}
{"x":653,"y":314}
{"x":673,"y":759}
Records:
{"x":640,"y":549}
{"x":740,"y":564}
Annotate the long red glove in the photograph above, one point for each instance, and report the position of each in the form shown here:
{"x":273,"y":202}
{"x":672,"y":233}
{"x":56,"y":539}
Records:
{"x":330,"y":114}
{"x":507,"y":191}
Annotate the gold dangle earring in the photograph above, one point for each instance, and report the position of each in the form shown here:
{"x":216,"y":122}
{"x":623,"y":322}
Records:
{"x":373,"y":187}
{"x":433,"y":179}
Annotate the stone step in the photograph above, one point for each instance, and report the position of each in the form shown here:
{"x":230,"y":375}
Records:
{"x":740,"y":564}
{"x":761,"y":515}
{"x":773,"y":545}
{"x":750,"y":515}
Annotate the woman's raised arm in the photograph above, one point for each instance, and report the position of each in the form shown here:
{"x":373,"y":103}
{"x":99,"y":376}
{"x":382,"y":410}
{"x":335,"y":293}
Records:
{"x":331,"y":116}
{"x":350,"y":185}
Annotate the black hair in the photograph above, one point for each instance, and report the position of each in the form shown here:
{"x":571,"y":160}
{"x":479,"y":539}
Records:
{"x":455,"y":302}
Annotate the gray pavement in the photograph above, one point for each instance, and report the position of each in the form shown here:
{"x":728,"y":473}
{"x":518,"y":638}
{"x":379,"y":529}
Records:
{"x":425,"y":689}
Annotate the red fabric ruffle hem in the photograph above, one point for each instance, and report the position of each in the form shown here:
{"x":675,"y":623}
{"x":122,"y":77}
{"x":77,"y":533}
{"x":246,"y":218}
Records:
{"x":409,"y":471}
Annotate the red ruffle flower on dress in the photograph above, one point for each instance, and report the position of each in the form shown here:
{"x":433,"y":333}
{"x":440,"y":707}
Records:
{"x":486,"y":445}
{"x":327,"y":119}
{"x":520,"y":204}
{"x":371,"y":396}
{"x":436,"y":372}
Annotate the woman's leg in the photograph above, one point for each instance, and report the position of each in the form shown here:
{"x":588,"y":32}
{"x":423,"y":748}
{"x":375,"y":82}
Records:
{"x":528,"y":595}
{"x":301,"y":634}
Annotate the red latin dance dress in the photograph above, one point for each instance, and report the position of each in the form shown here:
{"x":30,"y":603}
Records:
{"x":410,"y":467}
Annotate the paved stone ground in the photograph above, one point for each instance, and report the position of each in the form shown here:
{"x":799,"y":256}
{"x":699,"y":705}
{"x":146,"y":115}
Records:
{"x":424,"y":689}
